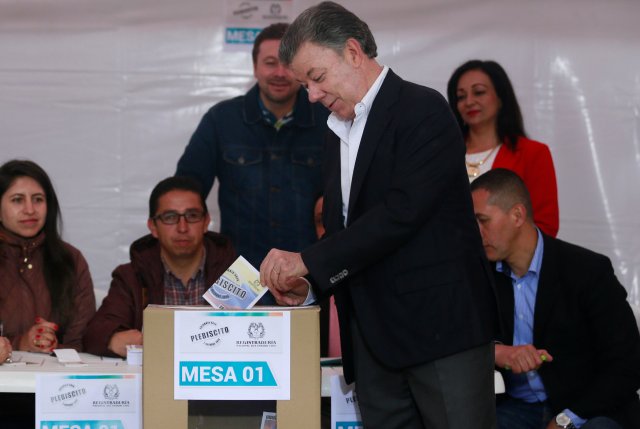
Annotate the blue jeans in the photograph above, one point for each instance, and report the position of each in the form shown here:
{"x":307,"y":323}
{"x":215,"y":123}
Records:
{"x":601,"y":423}
{"x":513,"y":413}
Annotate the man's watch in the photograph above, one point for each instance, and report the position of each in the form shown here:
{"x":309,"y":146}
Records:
{"x":564,"y":421}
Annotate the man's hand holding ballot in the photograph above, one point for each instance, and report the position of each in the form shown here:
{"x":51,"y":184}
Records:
{"x":282,"y":272}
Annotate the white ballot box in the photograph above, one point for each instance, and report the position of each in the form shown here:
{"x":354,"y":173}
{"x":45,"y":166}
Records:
{"x":251,"y":358}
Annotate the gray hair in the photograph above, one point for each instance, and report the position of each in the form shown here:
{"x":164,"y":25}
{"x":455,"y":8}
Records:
{"x":327,"y":24}
{"x":505,"y":188}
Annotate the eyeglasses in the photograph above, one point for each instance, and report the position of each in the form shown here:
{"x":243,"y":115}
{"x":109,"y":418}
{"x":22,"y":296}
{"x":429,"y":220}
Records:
{"x":172,"y":218}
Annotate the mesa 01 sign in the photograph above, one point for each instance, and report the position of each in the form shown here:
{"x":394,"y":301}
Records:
{"x":232,"y":355}
{"x":226,"y":374}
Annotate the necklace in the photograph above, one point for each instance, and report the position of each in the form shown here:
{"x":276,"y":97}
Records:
{"x":473,"y":168}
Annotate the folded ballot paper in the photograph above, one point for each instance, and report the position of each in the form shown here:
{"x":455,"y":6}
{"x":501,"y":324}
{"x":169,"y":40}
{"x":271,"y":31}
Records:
{"x":237,"y":288}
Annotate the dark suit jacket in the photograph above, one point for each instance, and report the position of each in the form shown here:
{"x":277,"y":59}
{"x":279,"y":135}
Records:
{"x":409,"y":267}
{"x":583,"y":320}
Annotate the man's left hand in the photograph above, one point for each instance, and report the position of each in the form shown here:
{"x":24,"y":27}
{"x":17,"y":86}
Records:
{"x":280,"y":272}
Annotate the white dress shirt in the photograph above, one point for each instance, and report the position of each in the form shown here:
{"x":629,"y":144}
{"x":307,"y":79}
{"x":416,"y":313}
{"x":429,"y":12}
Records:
{"x":350,"y":134}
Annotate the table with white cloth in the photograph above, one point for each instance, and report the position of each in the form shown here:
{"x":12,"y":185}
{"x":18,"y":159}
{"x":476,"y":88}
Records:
{"x":20,"y":377}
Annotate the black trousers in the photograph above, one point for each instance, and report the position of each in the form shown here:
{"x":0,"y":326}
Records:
{"x":454,"y":392}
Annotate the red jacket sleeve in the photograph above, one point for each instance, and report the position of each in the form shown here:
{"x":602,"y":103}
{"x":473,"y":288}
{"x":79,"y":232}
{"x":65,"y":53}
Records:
{"x":533,"y":163}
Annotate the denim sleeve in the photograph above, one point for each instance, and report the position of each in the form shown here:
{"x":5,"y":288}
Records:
{"x":199,"y":157}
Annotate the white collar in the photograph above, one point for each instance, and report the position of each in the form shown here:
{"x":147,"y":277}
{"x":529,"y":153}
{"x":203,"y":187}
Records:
{"x":364,"y":106}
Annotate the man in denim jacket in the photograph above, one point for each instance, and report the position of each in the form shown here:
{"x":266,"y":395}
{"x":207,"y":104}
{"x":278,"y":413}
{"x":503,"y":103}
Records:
{"x":265,"y":148}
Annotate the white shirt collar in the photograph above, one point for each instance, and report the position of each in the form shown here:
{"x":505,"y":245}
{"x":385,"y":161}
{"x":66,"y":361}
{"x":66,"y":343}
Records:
{"x":364,"y":107}
{"x":350,"y":134}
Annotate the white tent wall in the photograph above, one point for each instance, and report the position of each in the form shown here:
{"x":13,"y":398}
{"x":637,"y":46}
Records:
{"x":105,"y":95}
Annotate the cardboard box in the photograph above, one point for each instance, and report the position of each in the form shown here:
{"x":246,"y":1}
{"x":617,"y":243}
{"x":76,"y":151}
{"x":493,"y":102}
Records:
{"x":160,"y":410}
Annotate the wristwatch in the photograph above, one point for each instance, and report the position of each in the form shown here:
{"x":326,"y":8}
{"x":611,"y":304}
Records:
{"x":564,"y":421}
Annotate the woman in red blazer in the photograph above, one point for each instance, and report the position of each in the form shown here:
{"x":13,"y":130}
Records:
{"x":485,"y":106}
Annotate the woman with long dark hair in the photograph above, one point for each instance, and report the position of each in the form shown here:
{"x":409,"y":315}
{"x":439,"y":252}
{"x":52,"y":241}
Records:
{"x":485,"y":106}
{"x":46,"y":293}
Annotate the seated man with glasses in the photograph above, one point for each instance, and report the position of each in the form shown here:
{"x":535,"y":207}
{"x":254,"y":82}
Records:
{"x":174,"y":265}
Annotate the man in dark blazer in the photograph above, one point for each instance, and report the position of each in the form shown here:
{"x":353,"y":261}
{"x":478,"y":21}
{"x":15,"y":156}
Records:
{"x":570,"y":350}
{"x":402,"y":252}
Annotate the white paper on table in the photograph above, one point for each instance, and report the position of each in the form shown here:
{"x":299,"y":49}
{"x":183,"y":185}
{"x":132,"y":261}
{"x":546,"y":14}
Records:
{"x":69,"y":357}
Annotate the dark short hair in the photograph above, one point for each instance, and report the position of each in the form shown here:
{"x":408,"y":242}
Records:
{"x":271,"y":32}
{"x":505,"y":188}
{"x":175,"y":183}
{"x":509,"y":123}
{"x":330,"y":25}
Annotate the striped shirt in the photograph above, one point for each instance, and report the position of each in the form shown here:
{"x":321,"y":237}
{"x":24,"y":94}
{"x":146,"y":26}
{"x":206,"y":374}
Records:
{"x":176,"y":293}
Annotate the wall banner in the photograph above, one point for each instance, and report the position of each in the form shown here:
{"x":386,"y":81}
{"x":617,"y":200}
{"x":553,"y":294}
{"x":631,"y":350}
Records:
{"x":245,"y":19}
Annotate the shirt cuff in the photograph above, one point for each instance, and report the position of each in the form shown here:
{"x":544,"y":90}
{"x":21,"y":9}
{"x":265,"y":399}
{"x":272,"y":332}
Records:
{"x":311,"y":296}
{"x":577,"y":421}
